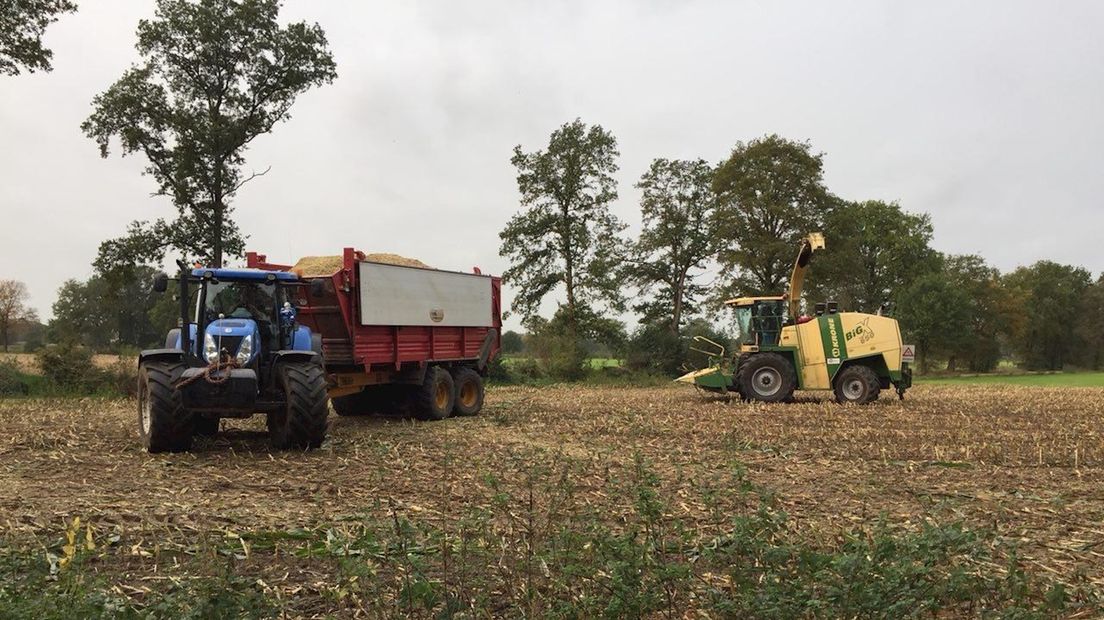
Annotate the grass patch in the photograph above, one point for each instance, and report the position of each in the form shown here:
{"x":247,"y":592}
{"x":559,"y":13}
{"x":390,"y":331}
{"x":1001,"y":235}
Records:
{"x":534,"y":550}
{"x":1060,"y":379}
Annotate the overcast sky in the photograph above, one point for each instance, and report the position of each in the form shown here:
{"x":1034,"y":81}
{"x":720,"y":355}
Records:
{"x":987,"y":115}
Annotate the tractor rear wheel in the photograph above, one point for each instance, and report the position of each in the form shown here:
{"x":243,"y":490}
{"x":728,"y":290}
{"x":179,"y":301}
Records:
{"x":469,"y":391}
{"x":766,"y":377}
{"x":434,"y":399}
{"x":163,"y":423}
{"x":301,"y":423}
{"x":857,"y":384}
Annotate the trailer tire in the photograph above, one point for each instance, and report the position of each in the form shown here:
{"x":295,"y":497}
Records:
{"x":204,"y":426}
{"x":301,"y":424}
{"x":469,"y":391}
{"x":766,"y":377}
{"x":857,"y":384}
{"x":434,"y":399}
{"x":163,"y":423}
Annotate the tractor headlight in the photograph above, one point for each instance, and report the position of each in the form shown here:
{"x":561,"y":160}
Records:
{"x":210,"y":349}
{"x":245,"y":351}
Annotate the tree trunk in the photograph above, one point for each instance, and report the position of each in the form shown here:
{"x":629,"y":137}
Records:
{"x":216,"y":194}
{"x":676,"y":313}
{"x":569,"y":269}
{"x":4,"y":335}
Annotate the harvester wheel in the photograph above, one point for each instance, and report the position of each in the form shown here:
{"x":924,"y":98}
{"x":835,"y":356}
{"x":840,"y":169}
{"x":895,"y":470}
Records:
{"x":163,"y":423}
{"x":469,"y":391}
{"x":434,"y":399}
{"x":766,"y":377}
{"x":205,"y":426}
{"x":857,"y":384}
{"x":301,"y":423}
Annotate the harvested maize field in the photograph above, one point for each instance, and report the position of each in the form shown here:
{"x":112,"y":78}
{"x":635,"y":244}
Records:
{"x":573,"y":501}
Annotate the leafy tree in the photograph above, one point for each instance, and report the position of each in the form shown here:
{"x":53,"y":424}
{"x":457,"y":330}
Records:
{"x":676,"y":207}
{"x":563,"y":350}
{"x":1090,"y":328}
{"x":995,"y":316}
{"x":13,"y":308}
{"x":103,"y":314}
{"x":653,"y":348}
{"x":22,"y":24}
{"x":873,"y":251}
{"x":934,"y":314}
{"x":565,"y":234}
{"x":215,"y":75}
{"x":770,"y":194}
{"x":1052,"y":296}
{"x":512,"y":342}
{"x":80,"y":317}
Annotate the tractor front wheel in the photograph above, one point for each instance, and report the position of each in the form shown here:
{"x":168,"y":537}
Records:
{"x":857,"y":384}
{"x":301,"y":423}
{"x":163,"y":423}
{"x":766,"y":377}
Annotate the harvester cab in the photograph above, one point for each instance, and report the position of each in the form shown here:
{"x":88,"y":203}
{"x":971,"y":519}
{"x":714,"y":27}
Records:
{"x":238,"y":351}
{"x":855,"y":355}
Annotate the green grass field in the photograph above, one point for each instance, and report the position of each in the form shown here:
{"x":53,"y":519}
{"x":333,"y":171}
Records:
{"x":1065,"y":379}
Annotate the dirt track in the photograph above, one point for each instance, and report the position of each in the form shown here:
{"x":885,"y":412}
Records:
{"x":1026,"y":461}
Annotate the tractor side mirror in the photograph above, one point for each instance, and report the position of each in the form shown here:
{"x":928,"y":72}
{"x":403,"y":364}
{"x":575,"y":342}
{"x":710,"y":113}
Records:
{"x":160,"y":283}
{"x":317,"y":288}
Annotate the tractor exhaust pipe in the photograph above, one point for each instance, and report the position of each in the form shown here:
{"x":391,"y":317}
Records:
{"x":185,"y":328}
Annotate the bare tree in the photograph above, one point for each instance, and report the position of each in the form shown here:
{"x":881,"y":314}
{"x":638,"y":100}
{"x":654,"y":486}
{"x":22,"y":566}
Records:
{"x":13,"y":307}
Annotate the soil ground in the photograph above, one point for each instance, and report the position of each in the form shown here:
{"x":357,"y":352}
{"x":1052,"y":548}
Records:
{"x":1026,"y":462}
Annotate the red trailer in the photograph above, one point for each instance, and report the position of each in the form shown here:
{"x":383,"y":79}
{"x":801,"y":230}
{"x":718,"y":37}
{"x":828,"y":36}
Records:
{"x":396,"y":337}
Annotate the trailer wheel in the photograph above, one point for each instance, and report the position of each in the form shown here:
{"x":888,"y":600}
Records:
{"x":163,"y":423}
{"x":857,"y":384}
{"x":469,"y":391}
{"x":766,"y":377}
{"x":206,"y":426}
{"x":301,"y":423}
{"x":435,"y":398}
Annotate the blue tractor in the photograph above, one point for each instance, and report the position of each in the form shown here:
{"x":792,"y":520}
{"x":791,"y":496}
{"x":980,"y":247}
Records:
{"x":239,"y":351}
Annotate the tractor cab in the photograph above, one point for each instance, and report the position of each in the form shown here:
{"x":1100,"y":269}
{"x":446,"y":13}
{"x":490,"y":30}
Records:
{"x":758,"y":320}
{"x":244,"y":312}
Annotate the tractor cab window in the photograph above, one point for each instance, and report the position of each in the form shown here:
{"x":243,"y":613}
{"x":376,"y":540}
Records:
{"x":760,"y":323}
{"x":241,"y":300}
{"x":744,"y":334}
{"x":766,"y":319}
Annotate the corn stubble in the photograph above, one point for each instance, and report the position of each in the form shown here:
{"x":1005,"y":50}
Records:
{"x":394,"y":516}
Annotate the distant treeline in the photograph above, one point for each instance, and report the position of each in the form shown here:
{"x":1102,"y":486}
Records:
{"x":741,"y":218}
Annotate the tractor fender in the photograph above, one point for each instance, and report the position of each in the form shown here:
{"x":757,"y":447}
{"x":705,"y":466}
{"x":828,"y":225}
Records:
{"x":874,"y":361}
{"x":291,"y":355}
{"x":161,"y":355}
{"x":288,"y":356}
